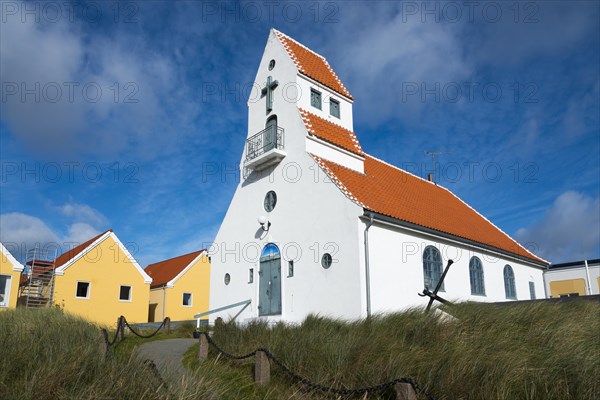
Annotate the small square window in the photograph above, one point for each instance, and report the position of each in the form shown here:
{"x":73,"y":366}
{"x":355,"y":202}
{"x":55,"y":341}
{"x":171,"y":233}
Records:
{"x":315,"y":98}
{"x":334,"y":108}
{"x":83,"y":290}
{"x":187,"y":300}
{"x":251,"y":275}
{"x":125,"y":293}
{"x":290,"y":269}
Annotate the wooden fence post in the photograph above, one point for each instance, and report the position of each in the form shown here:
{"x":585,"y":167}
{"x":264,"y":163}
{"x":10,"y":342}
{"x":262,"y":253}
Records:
{"x":262,"y":368}
{"x":102,"y":345}
{"x":405,"y":391}
{"x":168,"y":325}
{"x":203,"y":348}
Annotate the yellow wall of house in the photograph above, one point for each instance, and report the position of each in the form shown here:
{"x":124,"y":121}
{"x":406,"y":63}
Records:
{"x":196,"y":281}
{"x":6,"y":268}
{"x":157,"y":296}
{"x":567,"y":286}
{"x":106,"y":268}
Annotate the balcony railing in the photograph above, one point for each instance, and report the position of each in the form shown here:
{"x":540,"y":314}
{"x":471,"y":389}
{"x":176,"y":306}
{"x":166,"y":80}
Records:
{"x":265,"y":148}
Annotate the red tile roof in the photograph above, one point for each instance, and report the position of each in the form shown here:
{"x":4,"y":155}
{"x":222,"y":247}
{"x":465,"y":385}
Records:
{"x":331,"y":132}
{"x":312,"y":64}
{"x":162,"y":272}
{"x":68,"y":255}
{"x":390,"y":191}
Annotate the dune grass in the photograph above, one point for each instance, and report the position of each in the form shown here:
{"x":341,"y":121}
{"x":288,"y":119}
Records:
{"x":529,"y":351}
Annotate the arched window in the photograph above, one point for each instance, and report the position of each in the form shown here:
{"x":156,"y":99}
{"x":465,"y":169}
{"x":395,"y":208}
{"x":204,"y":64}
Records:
{"x":432,"y":267}
{"x":476,"y":276}
{"x":509,"y":283}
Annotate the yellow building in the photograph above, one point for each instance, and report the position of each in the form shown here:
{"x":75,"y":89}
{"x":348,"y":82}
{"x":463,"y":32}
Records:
{"x":578,"y":278}
{"x":100,"y":280}
{"x":180,"y":287}
{"x":10,"y":275}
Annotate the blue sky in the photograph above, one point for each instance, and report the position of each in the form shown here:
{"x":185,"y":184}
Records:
{"x":117,"y":115}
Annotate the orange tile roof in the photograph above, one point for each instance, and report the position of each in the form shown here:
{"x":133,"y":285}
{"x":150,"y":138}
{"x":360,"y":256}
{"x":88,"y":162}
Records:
{"x":68,"y":255}
{"x":331,"y":132}
{"x":312,"y":64}
{"x":388,"y":190}
{"x":162,"y":272}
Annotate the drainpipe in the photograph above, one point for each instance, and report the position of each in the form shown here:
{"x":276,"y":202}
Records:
{"x":367,"y":274}
{"x":587,"y":274}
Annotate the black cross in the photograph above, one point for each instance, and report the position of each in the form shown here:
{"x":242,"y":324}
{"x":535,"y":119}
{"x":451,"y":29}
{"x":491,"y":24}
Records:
{"x":434,"y":296}
{"x":268,"y":90}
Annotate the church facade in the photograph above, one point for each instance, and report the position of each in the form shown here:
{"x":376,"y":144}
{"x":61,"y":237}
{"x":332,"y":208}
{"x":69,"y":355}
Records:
{"x":318,"y":226}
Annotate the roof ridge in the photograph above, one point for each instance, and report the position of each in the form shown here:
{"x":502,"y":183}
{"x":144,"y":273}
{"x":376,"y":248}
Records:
{"x":283,"y":38}
{"x":403,"y":170}
{"x":343,"y":188}
{"x":77,"y":250}
{"x":351,"y":196}
{"x":461,"y":200}
{"x":173,"y":258}
{"x":494,"y":225}
{"x":279,"y":34}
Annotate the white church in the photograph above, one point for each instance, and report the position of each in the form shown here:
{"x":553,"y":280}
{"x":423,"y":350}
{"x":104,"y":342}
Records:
{"x":318,"y":226}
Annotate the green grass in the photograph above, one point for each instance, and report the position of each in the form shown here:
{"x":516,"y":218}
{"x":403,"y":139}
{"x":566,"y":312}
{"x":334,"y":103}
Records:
{"x":529,"y":351}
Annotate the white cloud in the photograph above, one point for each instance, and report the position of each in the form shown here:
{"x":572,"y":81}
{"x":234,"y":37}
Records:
{"x":83,"y":213}
{"x":21,"y":232}
{"x":115,"y":96}
{"x":569,"y":231}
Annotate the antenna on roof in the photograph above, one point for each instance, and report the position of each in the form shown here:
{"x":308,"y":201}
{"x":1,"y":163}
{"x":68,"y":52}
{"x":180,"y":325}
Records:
{"x":431,"y":176}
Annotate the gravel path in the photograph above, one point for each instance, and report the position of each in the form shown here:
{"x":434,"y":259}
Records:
{"x":167,"y":355}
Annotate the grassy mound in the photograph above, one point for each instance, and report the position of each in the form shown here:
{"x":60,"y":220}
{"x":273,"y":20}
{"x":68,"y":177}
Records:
{"x":529,"y":351}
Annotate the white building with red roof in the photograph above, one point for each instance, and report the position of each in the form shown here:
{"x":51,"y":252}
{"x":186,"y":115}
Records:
{"x":317,"y":226}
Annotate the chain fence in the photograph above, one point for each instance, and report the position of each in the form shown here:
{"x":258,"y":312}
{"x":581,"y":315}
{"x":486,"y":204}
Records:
{"x":121,"y":324}
{"x":315,"y":386}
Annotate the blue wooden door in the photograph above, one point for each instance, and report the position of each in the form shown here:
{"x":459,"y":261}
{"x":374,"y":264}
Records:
{"x":269,"y":300}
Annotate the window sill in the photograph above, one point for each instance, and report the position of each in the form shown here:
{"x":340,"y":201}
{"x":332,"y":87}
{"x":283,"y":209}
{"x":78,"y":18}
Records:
{"x":479,"y":294}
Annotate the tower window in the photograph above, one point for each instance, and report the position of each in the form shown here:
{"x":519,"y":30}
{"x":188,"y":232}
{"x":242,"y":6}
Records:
{"x":334,"y":108}
{"x":315,"y":98}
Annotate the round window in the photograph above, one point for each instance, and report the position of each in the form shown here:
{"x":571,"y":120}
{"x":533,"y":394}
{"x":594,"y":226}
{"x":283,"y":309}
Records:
{"x":270,"y":201}
{"x":271,"y":64}
{"x":227,"y":279}
{"x":326,"y":260}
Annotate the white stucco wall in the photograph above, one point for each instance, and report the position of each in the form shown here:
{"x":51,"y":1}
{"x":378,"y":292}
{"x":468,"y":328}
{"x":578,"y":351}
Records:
{"x":396,"y":267}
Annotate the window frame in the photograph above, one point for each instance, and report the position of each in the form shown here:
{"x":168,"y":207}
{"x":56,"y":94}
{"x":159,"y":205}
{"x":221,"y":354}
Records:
{"x":510,"y":285}
{"x":7,"y":285}
{"x":183,"y":299}
{"x":532,"y":294}
{"x":88,"y":292}
{"x":250,"y":275}
{"x":320,"y":97}
{"x":130,"y":293}
{"x":290,"y":269}
{"x":427,"y":278}
{"x":476,"y":267}
{"x":336,"y":102}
